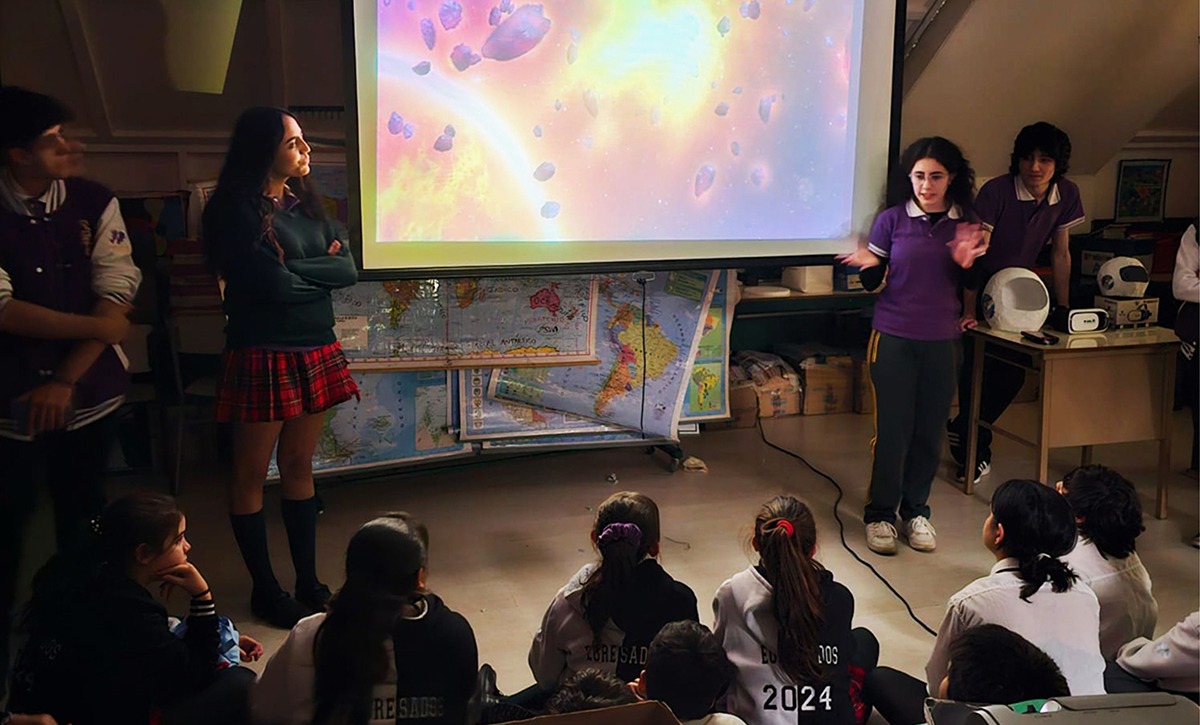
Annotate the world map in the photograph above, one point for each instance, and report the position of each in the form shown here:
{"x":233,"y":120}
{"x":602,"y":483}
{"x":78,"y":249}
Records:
{"x":399,"y":417}
{"x":432,"y":324}
{"x":707,"y":393}
{"x":646,"y":336}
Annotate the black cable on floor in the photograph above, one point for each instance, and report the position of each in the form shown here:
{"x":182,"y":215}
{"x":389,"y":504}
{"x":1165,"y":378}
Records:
{"x":837,"y":517}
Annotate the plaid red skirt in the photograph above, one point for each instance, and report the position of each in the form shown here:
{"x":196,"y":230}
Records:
{"x":260,"y":385}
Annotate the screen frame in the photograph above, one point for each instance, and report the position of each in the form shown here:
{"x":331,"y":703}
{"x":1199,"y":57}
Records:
{"x":861,"y":203}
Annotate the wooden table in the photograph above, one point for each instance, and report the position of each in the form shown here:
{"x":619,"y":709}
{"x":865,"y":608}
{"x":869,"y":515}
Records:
{"x":1113,"y":387}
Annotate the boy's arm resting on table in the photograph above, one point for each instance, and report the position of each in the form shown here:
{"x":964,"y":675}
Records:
{"x":1060,"y":263}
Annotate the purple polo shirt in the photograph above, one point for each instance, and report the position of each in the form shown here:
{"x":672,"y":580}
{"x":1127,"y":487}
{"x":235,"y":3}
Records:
{"x":920,"y":299}
{"x":1021,"y":226}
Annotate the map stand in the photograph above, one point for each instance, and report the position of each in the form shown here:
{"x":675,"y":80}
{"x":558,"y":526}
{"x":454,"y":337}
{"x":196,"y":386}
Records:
{"x":671,"y":449}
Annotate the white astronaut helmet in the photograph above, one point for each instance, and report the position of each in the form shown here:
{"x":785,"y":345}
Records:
{"x":1015,"y":300}
{"x":1123,"y":277}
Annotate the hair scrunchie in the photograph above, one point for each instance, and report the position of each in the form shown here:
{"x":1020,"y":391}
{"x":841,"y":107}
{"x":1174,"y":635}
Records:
{"x":620,"y":533}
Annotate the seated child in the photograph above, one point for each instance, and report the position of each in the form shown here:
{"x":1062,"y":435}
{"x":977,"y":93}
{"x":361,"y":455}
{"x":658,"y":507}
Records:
{"x":688,"y":671}
{"x":100,"y":650}
{"x":387,"y":651}
{"x":1170,"y":663}
{"x":785,"y":625}
{"x":990,"y":665}
{"x":1109,"y":516}
{"x":589,"y":689}
{"x":607,"y":614}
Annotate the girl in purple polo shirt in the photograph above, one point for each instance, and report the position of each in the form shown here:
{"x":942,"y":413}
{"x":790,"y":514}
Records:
{"x":923,"y":242}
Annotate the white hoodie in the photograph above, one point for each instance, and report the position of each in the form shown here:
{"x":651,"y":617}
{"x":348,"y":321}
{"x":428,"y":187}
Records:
{"x":763,"y":693}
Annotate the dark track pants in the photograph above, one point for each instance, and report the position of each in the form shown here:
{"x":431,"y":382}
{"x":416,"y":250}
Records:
{"x":914,"y":385}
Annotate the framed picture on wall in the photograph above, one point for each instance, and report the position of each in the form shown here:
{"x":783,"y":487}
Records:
{"x":1141,"y":190}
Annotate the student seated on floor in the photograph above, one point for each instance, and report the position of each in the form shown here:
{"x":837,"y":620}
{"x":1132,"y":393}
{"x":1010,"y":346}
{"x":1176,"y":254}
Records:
{"x":1029,"y":591}
{"x":388,"y":650}
{"x":1109,"y":517}
{"x":785,"y":625}
{"x":989,"y":665}
{"x":688,"y":671}
{"x":1170,"y":663}
{"x":607,"y":614}
{"x":99,"y":648}
{"x":589,"y":689}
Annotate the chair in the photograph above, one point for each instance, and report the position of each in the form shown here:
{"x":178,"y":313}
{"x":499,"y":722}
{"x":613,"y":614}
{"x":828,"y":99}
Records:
{"x":143,"y":389}
{"x":193,"y":335}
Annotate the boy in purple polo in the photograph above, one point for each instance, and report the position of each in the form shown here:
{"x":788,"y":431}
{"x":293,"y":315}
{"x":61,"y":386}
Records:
{"x":67,"y":279}
{"x":1021,"y":212}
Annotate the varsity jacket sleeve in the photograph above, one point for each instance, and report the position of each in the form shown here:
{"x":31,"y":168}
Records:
{"x":114,"y":275}
{"x":173,"y":667}
{"x":1185,"y":283}
{"x":258,"y":275}
{"x":1173,"y":659}
{"x":547,"y":660}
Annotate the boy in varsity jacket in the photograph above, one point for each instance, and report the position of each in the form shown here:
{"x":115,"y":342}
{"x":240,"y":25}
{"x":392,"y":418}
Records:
{"x":67,"y":279}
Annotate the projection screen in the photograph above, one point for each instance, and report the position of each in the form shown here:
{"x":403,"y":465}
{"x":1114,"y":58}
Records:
{"x":571,"y":133}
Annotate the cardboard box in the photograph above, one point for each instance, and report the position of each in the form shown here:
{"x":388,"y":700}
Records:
{"x":864,"y":394}
{"x":650,"y":712}
{"x":809,"y":280}
{"x":778,"y":396}
{"x":1129,"y":312}
{"x":743,"y":408}
{"x":828,"y":385}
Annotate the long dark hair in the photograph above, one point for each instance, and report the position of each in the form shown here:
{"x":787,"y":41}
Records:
{"x":238,"y":215}
{"x":142,"y":517}
{"x":1051,"y":140}
{"x":626,"y":529}
{"x":1107,"y":508}
{"x":785,"y":535}
{"x":1039,"y":527}
{"x":962,"y":187}
{"x":383,"y":564}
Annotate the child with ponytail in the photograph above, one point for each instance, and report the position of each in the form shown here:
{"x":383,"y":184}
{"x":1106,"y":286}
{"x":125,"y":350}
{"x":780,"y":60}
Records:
{"x":785,"y":624}
{"x":609,"y":612}
{"x":388,"y":650}
{"x":100,"y":649}
{"x":1030,"y":591}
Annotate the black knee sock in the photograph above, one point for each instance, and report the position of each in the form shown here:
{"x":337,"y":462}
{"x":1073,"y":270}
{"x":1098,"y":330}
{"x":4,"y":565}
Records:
{"x":250,"y":530}
{"x":300,"y":520}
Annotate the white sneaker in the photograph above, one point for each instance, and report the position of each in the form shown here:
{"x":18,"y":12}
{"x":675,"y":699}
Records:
{"x":881,"y":537}
{"x":920,"y":534}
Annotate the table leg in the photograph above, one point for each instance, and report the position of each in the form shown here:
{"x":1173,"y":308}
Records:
{"x":1166,"y":409}
{"x":973,"y":415}
{"x":1046,"y":388}
{"x":1085,"y":456}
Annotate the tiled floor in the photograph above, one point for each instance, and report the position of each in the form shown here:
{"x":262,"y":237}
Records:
{"x":507,"y":534}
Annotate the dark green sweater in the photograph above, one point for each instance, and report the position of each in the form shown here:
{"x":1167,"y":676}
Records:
{"x":270,"y":304}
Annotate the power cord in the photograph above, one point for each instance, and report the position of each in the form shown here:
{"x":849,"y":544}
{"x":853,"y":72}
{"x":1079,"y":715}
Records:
{"x":642,"y":278}
{"x":837,"y":517}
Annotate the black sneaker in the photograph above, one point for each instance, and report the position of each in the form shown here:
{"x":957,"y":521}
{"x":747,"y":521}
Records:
{"x":982,"y":468}
{"x":315,"y":599}
{"x":278,"y":608}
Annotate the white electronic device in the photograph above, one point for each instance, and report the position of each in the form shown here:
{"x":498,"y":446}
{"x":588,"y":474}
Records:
{"x":1159,"y":708}
{"x":1073,"y":322}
